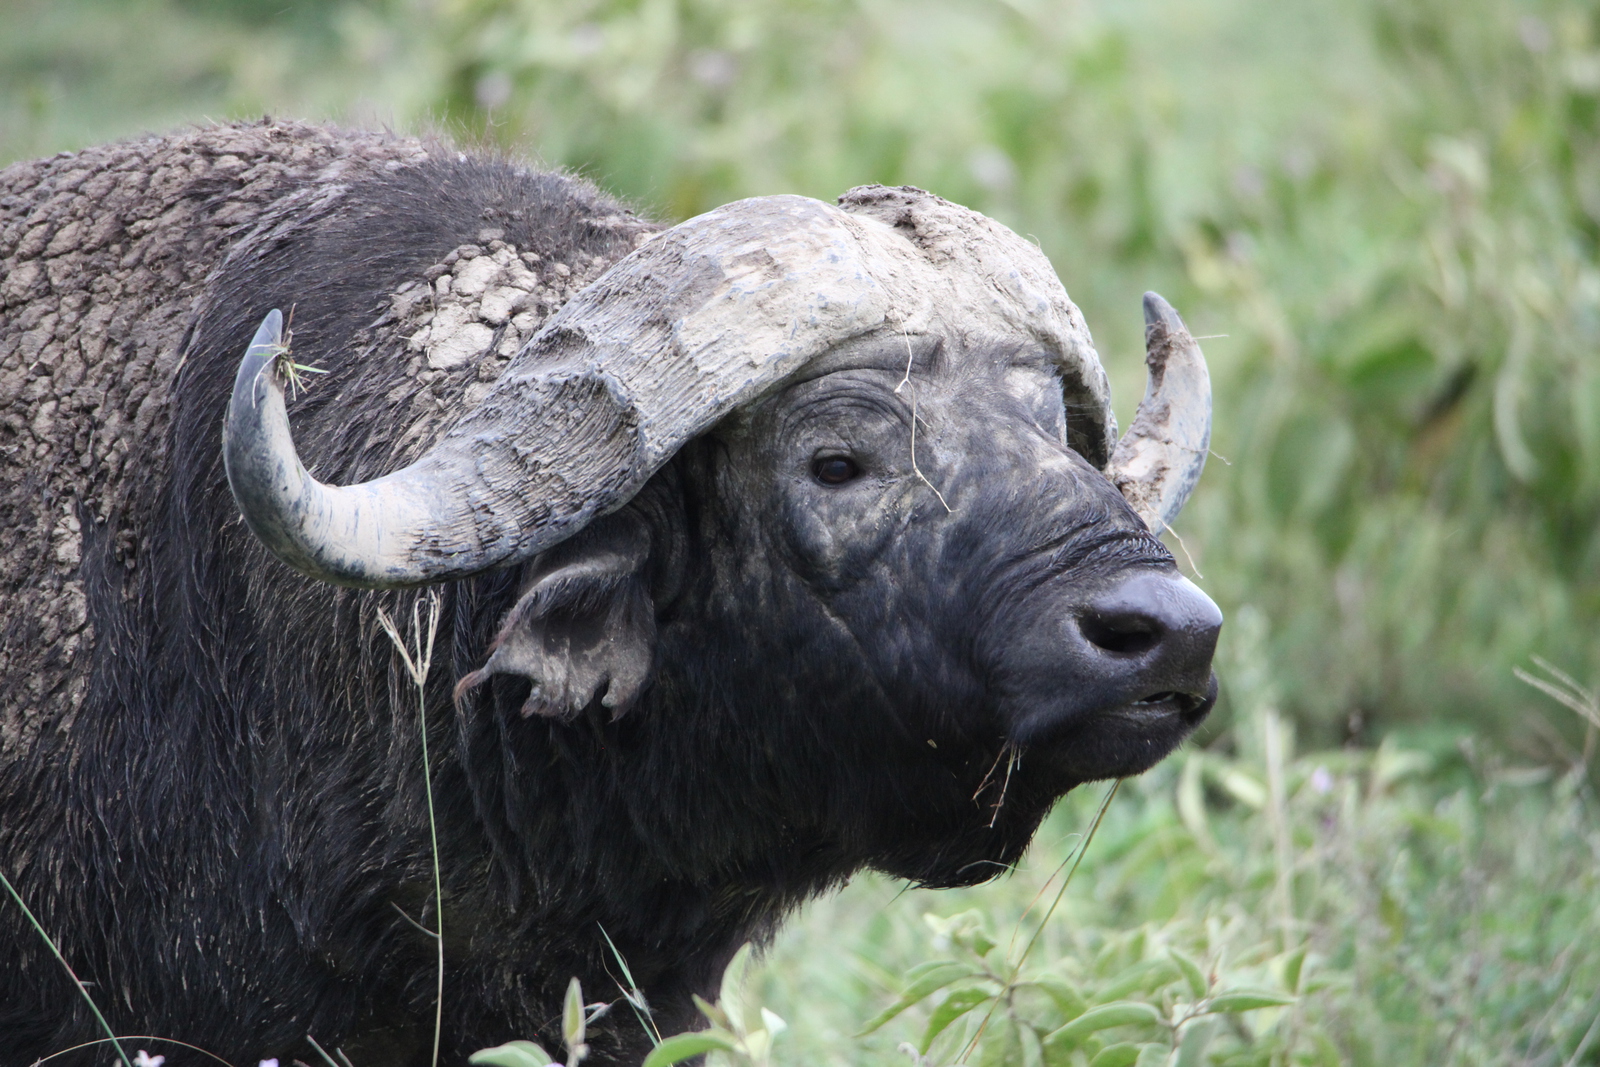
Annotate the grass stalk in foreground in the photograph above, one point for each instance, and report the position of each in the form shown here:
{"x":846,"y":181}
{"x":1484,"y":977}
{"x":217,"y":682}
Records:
{"x":1074,"y":858}
{"x":632,"y":994}
{"x":418,"y":666}
{"x":87,"y":999}
{"x":132,"y":1037}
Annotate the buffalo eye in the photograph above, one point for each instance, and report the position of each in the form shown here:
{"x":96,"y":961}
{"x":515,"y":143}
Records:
{"x":835,"y":470}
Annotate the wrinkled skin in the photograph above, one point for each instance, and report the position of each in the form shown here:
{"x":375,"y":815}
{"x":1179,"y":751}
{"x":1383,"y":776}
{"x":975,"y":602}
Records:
{"x":954,"y":585}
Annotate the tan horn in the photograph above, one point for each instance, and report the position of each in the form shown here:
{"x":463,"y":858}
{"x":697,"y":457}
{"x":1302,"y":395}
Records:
{"x":1158,"y":461}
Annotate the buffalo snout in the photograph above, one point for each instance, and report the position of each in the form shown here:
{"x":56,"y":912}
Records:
{"x":1103,"y":682}
{"x":1160,"y":631}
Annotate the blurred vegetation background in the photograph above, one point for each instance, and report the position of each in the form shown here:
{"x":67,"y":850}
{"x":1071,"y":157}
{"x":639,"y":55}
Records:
{"x":1383,"y":213}
{"x":1384,"y":218}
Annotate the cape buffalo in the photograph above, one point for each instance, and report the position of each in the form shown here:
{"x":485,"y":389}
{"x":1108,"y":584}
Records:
{"x":788,"y":541}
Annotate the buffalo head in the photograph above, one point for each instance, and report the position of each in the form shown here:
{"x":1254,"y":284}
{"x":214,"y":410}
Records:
{"x":846,"y":478}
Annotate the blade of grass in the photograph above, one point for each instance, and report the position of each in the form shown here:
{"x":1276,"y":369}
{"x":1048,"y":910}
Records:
{"x":1075,"y":858}
{"x":1034,"y":900}
{"x":1567,"y":691}
{"x":111,"y":1034}
{"x":322,"y":1052}
{"x":1576,"y":698}
{"x":133,"y":1037}
{"x":632,"y":994}
{"x":418,"y":667}
{"x":904,"y":382}
{"x":1275,"y":748}
{"x":1583,"y":1046}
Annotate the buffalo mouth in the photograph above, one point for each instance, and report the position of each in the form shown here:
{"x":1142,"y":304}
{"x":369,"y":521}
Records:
{"x":1112,"y":739}
{"x":1190,"y":708}
{"x":1078,"y":713}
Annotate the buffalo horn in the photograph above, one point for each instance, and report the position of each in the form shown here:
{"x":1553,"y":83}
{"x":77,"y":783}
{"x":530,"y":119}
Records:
{"x":1159,"y":460}
{"x":702,"y":318}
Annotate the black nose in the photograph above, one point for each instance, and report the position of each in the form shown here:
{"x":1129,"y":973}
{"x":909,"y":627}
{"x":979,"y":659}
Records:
{"x":1159,"y":623}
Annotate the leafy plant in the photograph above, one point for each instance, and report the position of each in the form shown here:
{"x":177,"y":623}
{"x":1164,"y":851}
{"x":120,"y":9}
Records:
{"x":575,"y":1017}
{"x":734,"y":1036}
{"x":1139,"y":1001}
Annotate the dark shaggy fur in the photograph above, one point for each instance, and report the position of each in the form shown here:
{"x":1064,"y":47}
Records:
{"x":231,"y":834}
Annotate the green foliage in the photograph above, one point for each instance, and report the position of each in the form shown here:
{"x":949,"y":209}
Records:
{"x":74,"y":72}
{"x":1376,"y":907}
{"x":1140,"y":997}
{"x":733,"y":1039}
{"x":575,"y":1017}
{"x":512,"y":1054}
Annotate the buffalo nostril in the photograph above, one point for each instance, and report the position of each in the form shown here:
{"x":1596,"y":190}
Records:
{"x":1128,"y":633}
{"x":1151,"y":612}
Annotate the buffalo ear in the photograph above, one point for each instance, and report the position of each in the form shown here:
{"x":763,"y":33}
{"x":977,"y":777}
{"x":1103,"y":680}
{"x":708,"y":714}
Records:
{"x":585,"y":626}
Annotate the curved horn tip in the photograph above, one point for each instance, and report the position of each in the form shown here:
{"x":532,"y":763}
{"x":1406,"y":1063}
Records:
{"x":263,"y":348}
{"x":1158,"y":461}
{"x":270,"y":332}
{"x":1157,"y":310}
